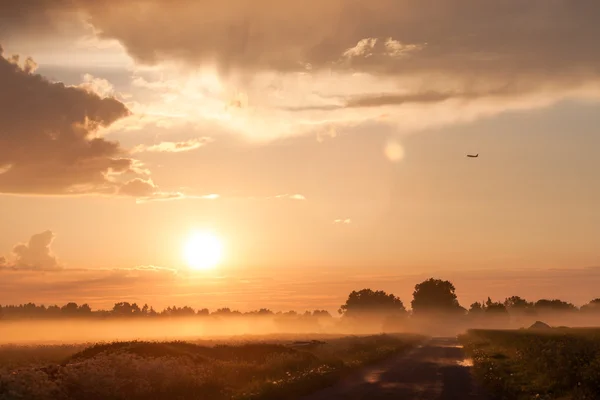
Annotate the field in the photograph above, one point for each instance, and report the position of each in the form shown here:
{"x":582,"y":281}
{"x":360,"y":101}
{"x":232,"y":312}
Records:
{"x":257,"y":369}
{"x":558,"y":363}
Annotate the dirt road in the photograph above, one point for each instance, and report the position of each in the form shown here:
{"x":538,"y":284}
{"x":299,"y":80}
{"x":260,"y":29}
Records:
{"x":437,"y":370}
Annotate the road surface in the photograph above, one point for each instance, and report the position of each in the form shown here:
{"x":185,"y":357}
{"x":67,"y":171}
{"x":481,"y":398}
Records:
{"x":436,"y":370}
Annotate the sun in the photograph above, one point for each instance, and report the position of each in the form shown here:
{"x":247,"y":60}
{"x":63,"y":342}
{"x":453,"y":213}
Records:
{"x":203,"y":251}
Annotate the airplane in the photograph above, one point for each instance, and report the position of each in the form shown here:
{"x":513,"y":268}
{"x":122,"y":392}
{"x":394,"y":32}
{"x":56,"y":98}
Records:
{"x":473,"y":156}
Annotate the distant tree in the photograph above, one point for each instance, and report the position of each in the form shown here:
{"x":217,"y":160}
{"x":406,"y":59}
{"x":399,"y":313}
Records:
{"x":435,"y":296}
{"x":592,"y":306}
{"x":70,"y":309}
{"x":226,"y":312}
{"x":495,"y":308}
{"x":126,"y":309}
{"x":290,"y":313}
{"x":53,"y":311}
{"x":175,"y":311}
{"x":367,"y":301}
{"x":517,"y":303}
{"x":555,"y":305}
{"x":84,"y":309}
{"x":476,"y":308}
{"x":321,"y":314}
{"x":203,"y":312}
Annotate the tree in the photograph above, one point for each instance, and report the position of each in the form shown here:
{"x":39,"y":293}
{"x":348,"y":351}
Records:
{"x":555,"y":305}
{"x":69,"y":309}
{"x":592,"y":306}
{"x":517,"y":303}
{"x":126,"y":309}
{"x":321,"y":314}
{"x":435,"y":296}
{"x":84,"y":309}
{"x":367,"y":301}
{"x":495,"y":308}
{"x":476,"y":308}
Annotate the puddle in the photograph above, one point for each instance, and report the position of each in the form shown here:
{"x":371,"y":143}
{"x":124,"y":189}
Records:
{"x":467,"y":362}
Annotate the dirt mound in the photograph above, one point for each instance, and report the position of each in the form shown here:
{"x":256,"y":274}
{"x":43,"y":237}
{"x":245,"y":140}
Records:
{"x":252,"y":352}
{"x":540,"y":325}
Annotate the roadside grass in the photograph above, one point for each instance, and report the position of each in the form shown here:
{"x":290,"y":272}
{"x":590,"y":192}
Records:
{"x":183,"y":370}
{"x":558,"y":363}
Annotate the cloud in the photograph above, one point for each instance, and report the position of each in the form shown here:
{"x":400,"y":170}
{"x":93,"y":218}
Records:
{"x":346,"y":221}
{"x":138,"y":187}
{"x":291,"y":197}
{"x":341,"y":63}
{"x":144,"y":190}
{"x":36,"y":254}
{"x":174,"y":147}
{"x":99,"y":86}
{"x":48,"y":136}
{"x":38,"y":18}
{"x":535,"y":37}
{"x":473,"y":39}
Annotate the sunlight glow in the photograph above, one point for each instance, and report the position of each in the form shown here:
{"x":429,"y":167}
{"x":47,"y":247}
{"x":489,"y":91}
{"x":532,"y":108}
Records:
{"x":203,"y":251}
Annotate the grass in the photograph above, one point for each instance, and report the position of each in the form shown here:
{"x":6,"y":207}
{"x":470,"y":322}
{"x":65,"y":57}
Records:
{"x":559,"y":363}
{"x":184,"y":370}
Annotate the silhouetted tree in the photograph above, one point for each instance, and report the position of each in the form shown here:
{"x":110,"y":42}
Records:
{"x":476,"y":308}
{"x":321,"y":314}
{"x":290,"y":313}
{"x":495,"y":308}
{"x":367,"y":301}
{"x":126,"y":309}
{"x":203,"y":312}
{"x":435,"y":296}
{"x":226,"y":312}
{"x":592,"y":306}
{"x":70,"y":309}
{"x":555,"y":305}
{"x":516,"y":303}
{"x":84,"y":309}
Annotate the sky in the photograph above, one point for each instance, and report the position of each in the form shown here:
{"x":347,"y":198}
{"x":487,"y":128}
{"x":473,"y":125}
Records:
{"x":324,"y":142}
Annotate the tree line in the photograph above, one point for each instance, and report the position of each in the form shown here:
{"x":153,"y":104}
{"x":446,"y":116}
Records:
{"x":436,"y":296}
{"x":133,"y":310}
{"x":432,"y":296}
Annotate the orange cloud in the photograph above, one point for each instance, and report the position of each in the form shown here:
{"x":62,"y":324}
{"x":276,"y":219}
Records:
{"x":36,"y":254}
{"x":173,"y":147}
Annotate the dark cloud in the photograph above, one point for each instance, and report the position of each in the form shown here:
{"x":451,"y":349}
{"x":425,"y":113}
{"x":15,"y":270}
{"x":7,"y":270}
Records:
{"x":36,"y":254}
{"x":47,"y":136}
{"x":476,"y":38}
{"x":38,"y":17}
{"x":471,"y":46}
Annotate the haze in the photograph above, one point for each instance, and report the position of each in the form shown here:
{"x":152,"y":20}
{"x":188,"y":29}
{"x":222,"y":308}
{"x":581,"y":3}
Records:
{"x":317,"y":147}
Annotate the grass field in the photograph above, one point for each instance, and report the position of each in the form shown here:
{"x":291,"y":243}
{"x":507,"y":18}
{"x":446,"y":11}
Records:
{"x":559,"y":363}
{"x":185,"y":370}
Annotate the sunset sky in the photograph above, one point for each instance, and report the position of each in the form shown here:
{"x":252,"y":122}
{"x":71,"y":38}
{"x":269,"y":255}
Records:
{"x":323,"y":142}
